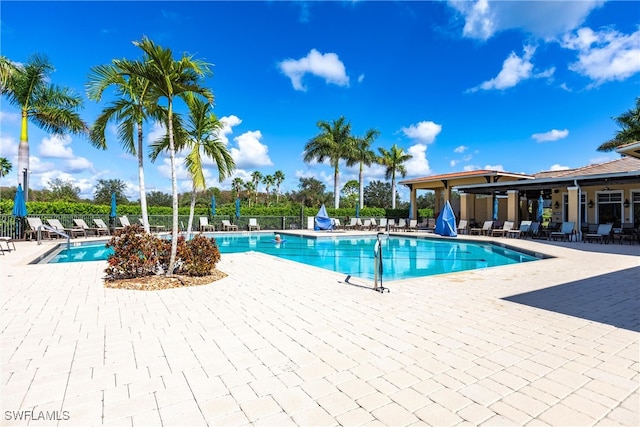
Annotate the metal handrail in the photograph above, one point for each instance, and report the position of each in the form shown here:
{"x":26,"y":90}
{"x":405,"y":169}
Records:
{"x":55,"y":230}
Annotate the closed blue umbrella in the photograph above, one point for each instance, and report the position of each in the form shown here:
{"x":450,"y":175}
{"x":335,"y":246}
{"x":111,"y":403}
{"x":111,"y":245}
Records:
{"x":237,"y":208}
{"x":357,"y":210}
{"x":410,"y":210}
{"x":213,"y":205}
{"x":540,"y":208}
{"x":495,"y":208}
{"x":113,"y":213}
{"x":19,"y":205}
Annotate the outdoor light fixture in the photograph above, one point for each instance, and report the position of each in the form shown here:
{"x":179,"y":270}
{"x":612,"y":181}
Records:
{"x":556,"y":205}
{"x":626,"y":203}
{"x":590,"y":204}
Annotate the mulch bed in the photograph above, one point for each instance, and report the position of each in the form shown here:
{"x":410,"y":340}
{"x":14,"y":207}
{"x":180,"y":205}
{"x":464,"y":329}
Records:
{"x":156,"y":283}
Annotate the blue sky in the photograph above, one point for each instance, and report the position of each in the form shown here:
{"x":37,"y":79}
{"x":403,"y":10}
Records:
{"x":514,"y":86}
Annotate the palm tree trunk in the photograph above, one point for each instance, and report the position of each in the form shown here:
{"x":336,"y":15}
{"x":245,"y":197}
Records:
{"x":361,"y":179}
{"x":393,"y":191}
{"x":192,"y":209}
{"x":336,"y":193}
{"x":174,"y":193}
{"x":143,"y":193}
{"x":23,"y":149}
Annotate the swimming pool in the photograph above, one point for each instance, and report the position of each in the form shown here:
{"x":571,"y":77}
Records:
{"x":403,"y":257}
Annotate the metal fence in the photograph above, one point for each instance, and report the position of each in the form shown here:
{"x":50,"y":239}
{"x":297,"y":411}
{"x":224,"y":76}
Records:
{"x":15,"y":227}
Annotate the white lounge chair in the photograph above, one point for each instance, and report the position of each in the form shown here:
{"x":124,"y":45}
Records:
{"x":412,"y":225}
{"x":565,"y":233}
{"x":227,"y":226}
{"x":383,"y":224}
{"x":253,"y":224}
{"x":463,"y":228}
{"x":101,"y":226}
{"x":602,"y":234}
{"x":523,"y":230}
{"x":486,"y":228}
{"x":506,"y":228}
{"x":73,"y":232}
{"x":97,"y":231}
{"x":204,"y":224}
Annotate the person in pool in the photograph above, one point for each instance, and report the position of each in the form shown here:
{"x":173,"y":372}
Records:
{"x":278,"y":239}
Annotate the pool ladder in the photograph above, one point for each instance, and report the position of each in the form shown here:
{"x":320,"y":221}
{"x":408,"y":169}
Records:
{"x":55,"y":230}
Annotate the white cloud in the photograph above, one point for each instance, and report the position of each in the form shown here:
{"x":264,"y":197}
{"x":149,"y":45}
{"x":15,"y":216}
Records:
{"x":460,"y":149}
{"x":9,"y":117}
{"x":605,"y":55}
{"x":78,"y":164}
{"x":418,"y":165}
{"x":327,"y":66}
{"x":56,"y":147}
{"x":165,"y":168}
{"x":552,"y":135}
{"x":452,"y":163}
{"x":557,"y":167}
{"x":545,"y":20}
{"x":228,"y":122}
{"x":494,"y":167}
{"x":8,"y":147}
{"x":157,"y":132}
{"x":424,"y":132}
{"x":360,"y":78}
{"x":514,"y":70}
{"x":250,"y":153}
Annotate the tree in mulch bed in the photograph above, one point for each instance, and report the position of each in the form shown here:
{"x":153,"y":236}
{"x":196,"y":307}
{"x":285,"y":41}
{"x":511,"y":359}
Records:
{"x":138,"y":254}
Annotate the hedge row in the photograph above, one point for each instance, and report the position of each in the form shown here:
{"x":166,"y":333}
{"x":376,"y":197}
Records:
{"x":70,"y":208}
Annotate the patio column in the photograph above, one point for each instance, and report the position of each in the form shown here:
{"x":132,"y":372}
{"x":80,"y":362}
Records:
{"x":467,"y":201}
{"x":524,"y":208}
{"x":412,"y":201}
{"x":513,"y":208}
{"x":573,"y":213}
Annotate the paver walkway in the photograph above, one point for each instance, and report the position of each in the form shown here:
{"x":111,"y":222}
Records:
{"x":554,"y":342}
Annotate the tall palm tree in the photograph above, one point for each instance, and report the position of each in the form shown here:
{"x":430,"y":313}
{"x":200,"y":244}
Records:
{"x":250,"y":188}
{"x":279,"y":178}
{"x":629,"y":121}
{"x":256,"y":177}
{"x":168,"y":79}
{"x":393,"y":160}
{"x":332,"y":143}
{"x":268,"y":181}
{"x":199,"y":135}
{"x":236,"y":185}
{"x":5,"y":167}
{"x":133,"y":107}
{"x":363,"y":155}
{"x":7,"y":70}
{"x":50,"y":107}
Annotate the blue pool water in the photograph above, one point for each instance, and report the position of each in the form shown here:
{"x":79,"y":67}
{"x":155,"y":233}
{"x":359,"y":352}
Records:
{"x":403,"y":257}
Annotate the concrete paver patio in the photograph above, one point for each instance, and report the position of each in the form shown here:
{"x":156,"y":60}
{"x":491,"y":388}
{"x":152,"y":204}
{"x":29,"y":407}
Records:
{"x":551,"y":342}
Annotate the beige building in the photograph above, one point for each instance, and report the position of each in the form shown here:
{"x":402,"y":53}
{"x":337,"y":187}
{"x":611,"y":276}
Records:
{"x":600,"y":193}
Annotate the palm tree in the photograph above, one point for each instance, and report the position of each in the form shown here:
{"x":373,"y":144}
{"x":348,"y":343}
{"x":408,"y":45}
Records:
{"x":52,"y":108}
{"x":268,"y":181}
{"x":332,"y":143}
{"x":133,"y":107}
{"x":630,"y":132}
{"x":168,"y":79}
{"x":236,"y":185}
{"x":5,"y":167}
{"x":279,"y":178}
{"x":393,"y":160}
{"x":250,"y":188}
{"x":256,"y":176}
{"x":200,"y":135}
{"x":7,"y":70}
{"x":364,"y":155}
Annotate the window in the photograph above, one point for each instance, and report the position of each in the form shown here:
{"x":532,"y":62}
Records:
{"x":609,"y":208}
